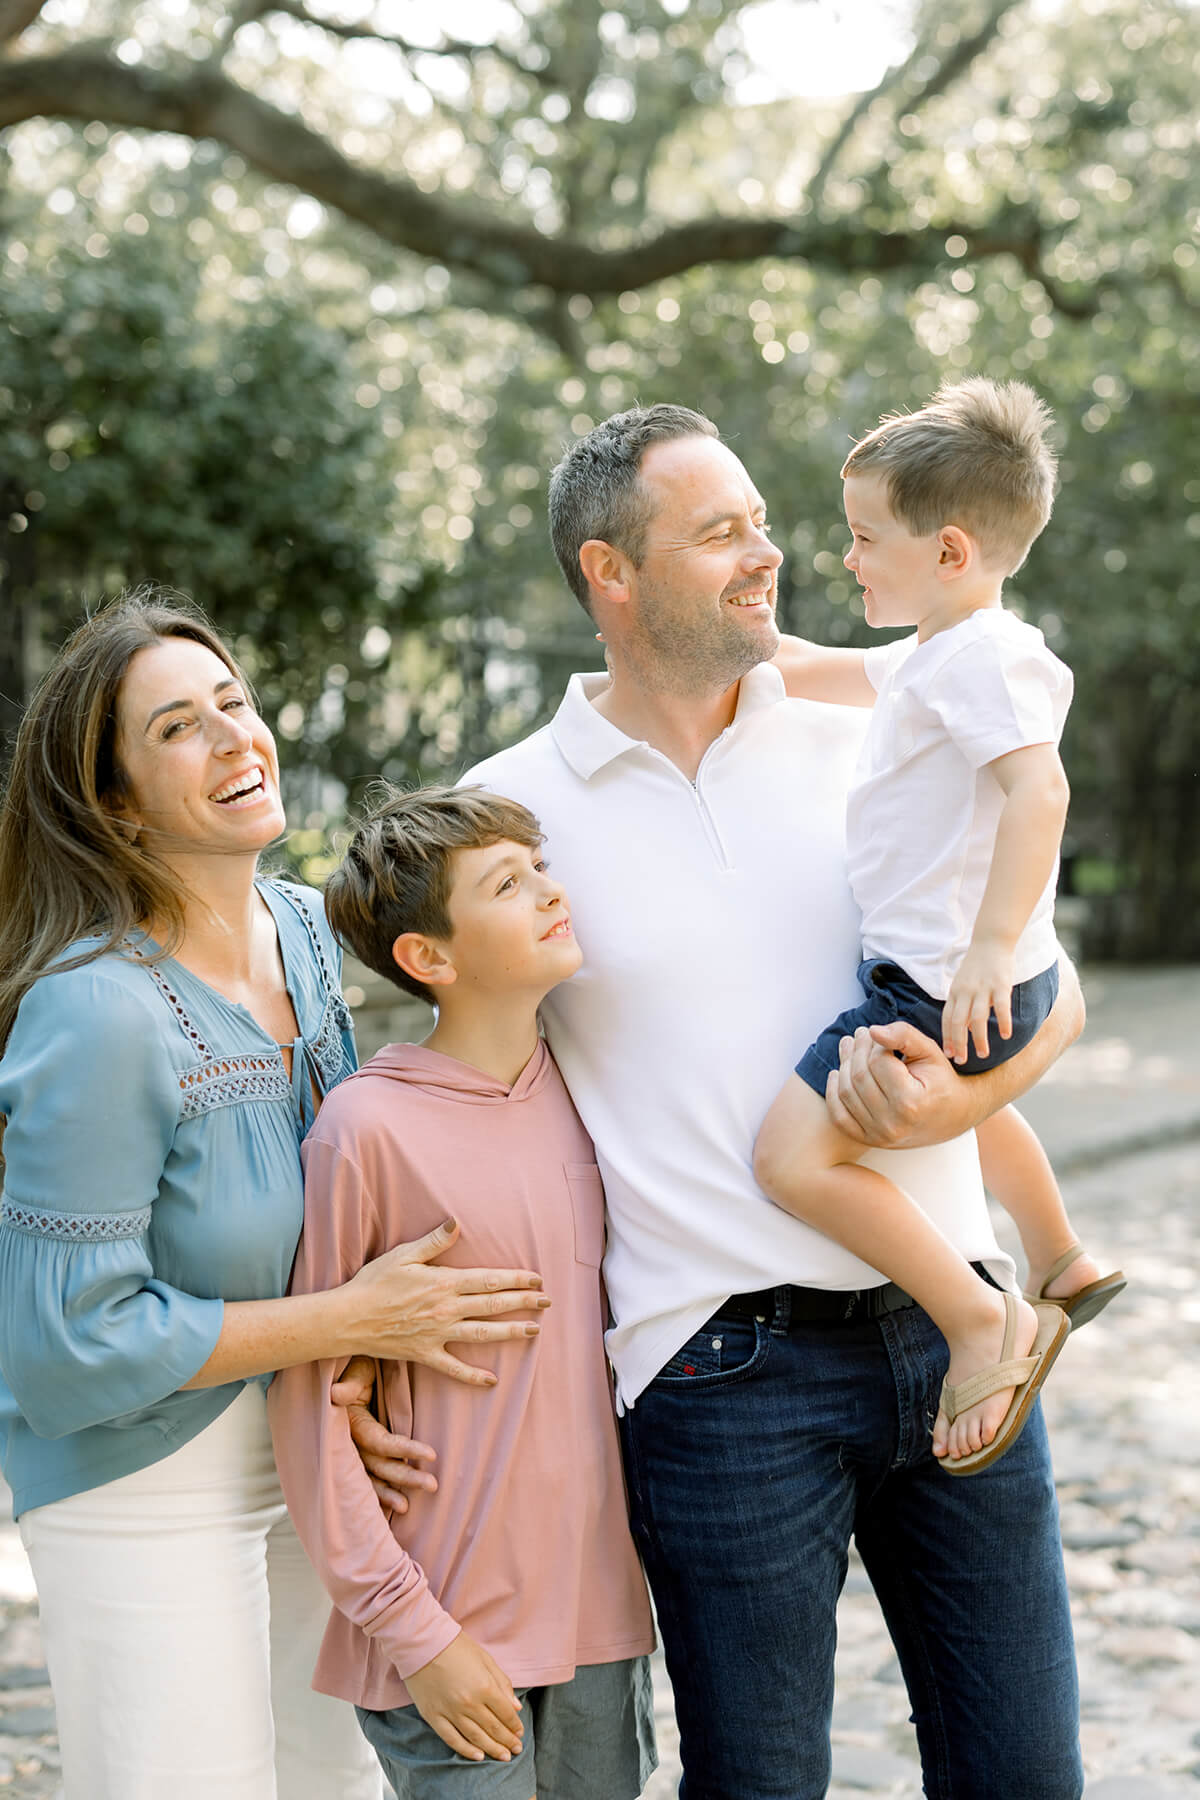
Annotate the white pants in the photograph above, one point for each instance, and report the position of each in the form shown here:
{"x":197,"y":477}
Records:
{"x":181,"y":1621}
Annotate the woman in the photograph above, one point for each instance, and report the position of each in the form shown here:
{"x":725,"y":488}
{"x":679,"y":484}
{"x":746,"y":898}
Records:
{"x":169,"y":1022}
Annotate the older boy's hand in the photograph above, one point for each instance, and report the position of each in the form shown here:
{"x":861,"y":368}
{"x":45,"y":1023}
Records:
{"x":466,"y":1697}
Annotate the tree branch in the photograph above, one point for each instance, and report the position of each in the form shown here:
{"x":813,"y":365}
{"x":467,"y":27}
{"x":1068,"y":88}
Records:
{"x":949,"y":68}
{"x":16,"y":16}
{"x":87,"y":83}
{"x":295,"y":9}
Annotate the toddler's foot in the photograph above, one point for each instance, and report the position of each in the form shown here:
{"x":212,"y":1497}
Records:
{"x":1076,"y":1283}
{"x":973,"y":1354}
{"x":1080,"y":1272}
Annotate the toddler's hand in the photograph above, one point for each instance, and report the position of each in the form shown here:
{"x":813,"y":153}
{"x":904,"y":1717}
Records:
{"x":469,"y":1701}
{"x":983,"y":985}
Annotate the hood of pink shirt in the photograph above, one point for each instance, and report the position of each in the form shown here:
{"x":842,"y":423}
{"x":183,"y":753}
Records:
{"x":441,"y":1075}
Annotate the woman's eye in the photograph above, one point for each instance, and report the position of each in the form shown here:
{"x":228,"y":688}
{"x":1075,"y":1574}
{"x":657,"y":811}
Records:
{"x":174,"y":728}
{"x":234,"y":701}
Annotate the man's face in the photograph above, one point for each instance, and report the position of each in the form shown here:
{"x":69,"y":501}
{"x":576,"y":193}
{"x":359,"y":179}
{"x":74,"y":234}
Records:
{"x":703,"y":609}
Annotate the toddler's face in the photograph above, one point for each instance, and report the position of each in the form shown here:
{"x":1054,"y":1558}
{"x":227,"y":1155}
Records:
{"x":896,"y":571}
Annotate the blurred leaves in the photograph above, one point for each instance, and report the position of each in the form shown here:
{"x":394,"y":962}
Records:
{"x":341,"y":447}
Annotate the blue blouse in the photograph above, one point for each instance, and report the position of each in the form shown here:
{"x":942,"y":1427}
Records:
{"x":153,"y":1172}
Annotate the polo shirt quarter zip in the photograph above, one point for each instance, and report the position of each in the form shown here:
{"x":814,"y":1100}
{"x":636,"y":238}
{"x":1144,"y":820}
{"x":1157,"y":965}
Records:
{"x":704,"y":811}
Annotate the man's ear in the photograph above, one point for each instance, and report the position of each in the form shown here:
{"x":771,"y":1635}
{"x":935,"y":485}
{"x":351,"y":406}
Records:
{"x":606,"y":570}
{"x":957,"y":551}
{"x":424,"y":959}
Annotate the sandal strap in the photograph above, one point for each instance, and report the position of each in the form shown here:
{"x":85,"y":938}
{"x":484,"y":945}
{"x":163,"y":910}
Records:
{"x":1058,"y":1267}
{"x":989,"y":1381}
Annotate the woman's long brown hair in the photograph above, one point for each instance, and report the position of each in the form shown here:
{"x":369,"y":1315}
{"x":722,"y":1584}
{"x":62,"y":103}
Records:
{"x":68,"y":868}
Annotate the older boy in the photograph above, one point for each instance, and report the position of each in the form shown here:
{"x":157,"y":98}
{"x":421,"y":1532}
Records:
{"x":493,"y":1639}
{"x":953,"y":825}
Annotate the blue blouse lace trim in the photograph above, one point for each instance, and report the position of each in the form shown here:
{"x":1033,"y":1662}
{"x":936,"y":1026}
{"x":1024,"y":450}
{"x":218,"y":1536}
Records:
{"x":71,"y":1228}
{"x":213,"y":1080}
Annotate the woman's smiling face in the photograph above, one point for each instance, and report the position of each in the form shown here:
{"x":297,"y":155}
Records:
{"x":199,"y":769}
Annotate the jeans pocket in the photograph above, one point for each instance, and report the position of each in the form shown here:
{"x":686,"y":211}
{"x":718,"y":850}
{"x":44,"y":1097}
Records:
{"x":587,"y":1211}
{"x":723,"y":1349}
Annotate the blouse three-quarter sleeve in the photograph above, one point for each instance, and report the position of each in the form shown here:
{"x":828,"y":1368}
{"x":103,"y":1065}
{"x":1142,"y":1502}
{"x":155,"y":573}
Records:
{"x":92,"y":1100}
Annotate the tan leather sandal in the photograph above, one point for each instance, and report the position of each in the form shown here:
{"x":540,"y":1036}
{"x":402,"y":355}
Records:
{"x":1025,"y":1374}
{"x":1090,"y":1300}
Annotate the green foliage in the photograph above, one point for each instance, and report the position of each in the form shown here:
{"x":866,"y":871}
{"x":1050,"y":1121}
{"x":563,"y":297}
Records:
{"x":343,"y":450}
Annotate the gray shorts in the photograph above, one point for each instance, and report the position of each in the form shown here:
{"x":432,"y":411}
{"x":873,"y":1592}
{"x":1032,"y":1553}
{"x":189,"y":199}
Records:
{"x":591,"y":1738}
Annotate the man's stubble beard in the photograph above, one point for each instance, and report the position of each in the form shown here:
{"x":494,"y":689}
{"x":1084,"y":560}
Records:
{"x":674,"y":656}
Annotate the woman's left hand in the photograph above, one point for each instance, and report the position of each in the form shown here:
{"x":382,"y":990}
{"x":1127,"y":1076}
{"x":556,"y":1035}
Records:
{"x":390,"y":1460}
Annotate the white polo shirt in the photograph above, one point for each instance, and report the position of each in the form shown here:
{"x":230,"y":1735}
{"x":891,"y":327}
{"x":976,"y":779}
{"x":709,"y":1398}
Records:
{"x":719,"y":936}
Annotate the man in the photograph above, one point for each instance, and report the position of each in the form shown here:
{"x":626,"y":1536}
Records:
{"x":776,"y":1398}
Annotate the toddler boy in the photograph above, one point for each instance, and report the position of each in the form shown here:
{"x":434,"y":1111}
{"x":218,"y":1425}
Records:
{"x":494,"y":1637}
{"x":953,"y":828}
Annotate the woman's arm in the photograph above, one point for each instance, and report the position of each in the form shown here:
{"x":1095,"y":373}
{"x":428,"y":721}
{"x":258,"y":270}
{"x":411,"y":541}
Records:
{"x":395,"y":1307}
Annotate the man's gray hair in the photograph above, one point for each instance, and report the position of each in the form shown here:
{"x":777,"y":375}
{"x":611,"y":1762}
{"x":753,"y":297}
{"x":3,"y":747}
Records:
{"x":597,"y":492}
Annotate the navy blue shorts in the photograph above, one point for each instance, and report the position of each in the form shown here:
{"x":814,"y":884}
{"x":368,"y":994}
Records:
{"x":891,"y":995}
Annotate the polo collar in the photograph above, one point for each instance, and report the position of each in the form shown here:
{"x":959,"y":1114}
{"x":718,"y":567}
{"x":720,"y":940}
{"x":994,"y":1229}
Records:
{"x":588,"y":741}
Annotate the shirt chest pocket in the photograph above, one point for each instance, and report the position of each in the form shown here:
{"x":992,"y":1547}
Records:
{"x":587,"y":1211}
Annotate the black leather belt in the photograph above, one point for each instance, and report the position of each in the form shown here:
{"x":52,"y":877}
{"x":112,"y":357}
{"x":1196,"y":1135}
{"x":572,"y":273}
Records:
{"x":786,"y":1306}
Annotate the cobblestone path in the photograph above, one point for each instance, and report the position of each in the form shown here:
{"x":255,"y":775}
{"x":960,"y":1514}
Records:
{"x":1124,"y":1412}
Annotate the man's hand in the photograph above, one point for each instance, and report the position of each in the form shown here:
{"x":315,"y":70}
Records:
{"x":389,"y":1459}
{"x":466,"y":1697}
{"x":982,"y":985}
{"x":889,"y":1104}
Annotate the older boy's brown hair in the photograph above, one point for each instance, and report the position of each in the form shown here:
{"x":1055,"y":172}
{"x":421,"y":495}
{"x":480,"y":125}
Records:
{"x":976,"y":456}
{"x":397,"y":872}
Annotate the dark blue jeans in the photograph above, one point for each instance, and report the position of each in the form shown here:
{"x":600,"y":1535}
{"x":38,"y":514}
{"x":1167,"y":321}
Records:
{"x":749,"y":1475}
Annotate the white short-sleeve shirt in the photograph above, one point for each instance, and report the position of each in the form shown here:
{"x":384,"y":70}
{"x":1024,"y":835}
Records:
{"x":924,"y":804}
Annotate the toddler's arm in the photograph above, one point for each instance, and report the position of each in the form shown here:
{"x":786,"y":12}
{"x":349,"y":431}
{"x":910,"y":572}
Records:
{"x":1027,"y":840}
{"x":820,"y":672}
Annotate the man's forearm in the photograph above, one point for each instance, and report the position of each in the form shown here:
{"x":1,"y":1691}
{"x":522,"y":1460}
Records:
{"x":878,"y":1100}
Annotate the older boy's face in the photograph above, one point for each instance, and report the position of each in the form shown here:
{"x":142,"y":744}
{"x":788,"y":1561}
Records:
{"x":896,"y":571}
{"x":511,"y":928}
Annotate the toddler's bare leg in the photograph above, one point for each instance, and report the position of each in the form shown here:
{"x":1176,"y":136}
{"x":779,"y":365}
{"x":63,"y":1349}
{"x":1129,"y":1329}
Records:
{"x":811,"y":1170}
{"x":1017,"y":1171}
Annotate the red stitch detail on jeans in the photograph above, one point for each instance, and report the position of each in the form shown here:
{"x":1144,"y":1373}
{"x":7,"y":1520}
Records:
{"x":689,"y":1368}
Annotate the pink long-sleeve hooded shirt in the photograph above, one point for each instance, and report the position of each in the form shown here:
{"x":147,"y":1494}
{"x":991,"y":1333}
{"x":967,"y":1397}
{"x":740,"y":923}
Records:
{"x":526,"y":1543}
